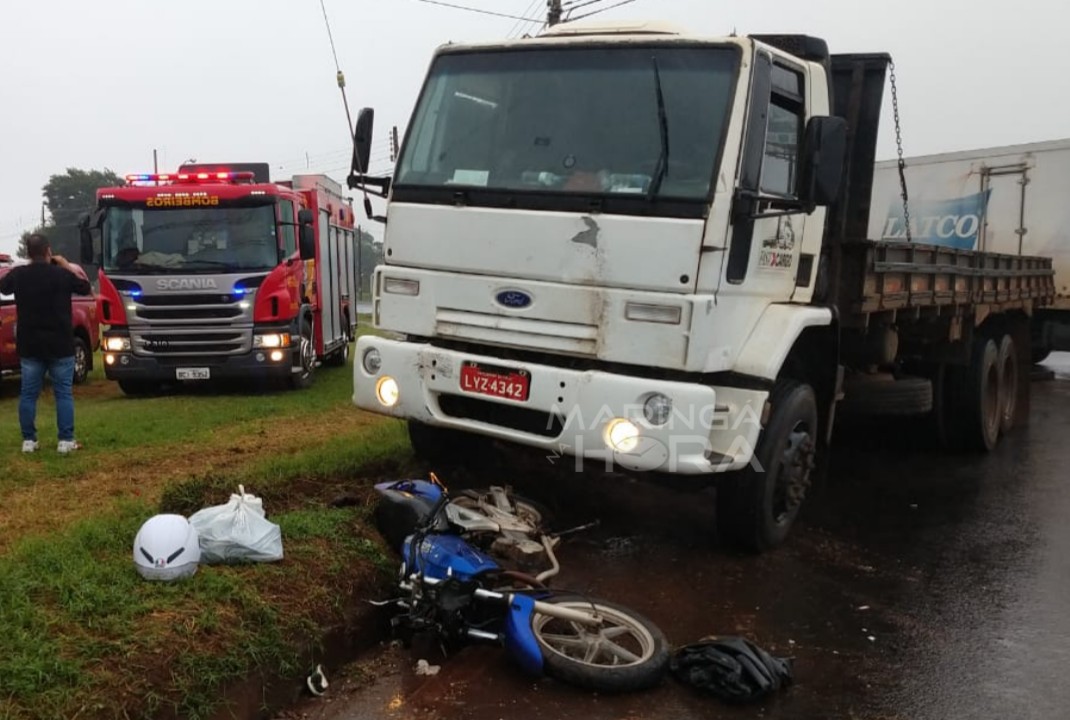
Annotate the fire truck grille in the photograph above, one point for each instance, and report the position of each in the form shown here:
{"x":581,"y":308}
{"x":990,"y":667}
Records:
{"x":192,"y":342}
{"x":221,"y":312}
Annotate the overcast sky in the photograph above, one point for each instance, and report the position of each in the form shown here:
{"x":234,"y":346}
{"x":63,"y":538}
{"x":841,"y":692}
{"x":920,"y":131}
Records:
{"x":101,"y":84}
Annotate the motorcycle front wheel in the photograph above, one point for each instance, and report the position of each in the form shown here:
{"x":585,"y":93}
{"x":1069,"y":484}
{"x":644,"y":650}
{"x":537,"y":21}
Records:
{"x":626,"y":652}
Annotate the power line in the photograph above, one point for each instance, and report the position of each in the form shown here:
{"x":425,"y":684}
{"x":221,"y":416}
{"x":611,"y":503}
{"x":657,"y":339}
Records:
{"x":474,"y":10}
{"x":601,"y":10}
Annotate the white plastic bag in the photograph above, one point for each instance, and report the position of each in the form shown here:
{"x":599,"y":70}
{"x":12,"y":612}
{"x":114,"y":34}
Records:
{"x":237,"y":531}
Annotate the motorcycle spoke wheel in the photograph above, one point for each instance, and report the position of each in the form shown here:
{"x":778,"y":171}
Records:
{"x":623,"y":652}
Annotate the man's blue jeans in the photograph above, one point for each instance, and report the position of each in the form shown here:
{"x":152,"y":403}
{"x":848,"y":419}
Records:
{"x":61,"y":370}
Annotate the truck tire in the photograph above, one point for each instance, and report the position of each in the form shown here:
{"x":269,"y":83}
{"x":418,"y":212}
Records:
{"x":887,"y":396}
{"x":1008,"y":383}
{"x":301,"y":375}
{"x":81,"y":360}
{"x":976,"y":396}
{"x":339,"y":357}
{"x":757,"y":506}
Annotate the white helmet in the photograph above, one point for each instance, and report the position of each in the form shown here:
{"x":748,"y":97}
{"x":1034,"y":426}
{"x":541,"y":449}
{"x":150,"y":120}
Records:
{"x":167,"y":548}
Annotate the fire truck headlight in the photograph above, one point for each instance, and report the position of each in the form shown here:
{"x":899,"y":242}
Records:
{"x":272,"y":340}
{"x":372,"y":361}
{"x":387,"y":391}
{"x":117,"y":344}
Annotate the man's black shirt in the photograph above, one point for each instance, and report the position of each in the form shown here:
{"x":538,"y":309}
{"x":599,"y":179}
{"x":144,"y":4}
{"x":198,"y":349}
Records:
{"x":43,"y":307}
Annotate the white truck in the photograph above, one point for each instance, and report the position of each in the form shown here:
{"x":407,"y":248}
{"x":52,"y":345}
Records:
{"x":1008,"y":199}
{"x":635,"y":246}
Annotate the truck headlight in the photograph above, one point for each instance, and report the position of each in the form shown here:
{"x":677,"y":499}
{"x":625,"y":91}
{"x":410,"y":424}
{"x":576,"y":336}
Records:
{"x":621,"y":435}
{"x":400,"y":286}
{"x":117,"y":344}
{"x":386,"y":390}
{"x":272,"y":340}
{"x":657,"y":409}
{"x":372,"y":362}
{"x":644,"y":312}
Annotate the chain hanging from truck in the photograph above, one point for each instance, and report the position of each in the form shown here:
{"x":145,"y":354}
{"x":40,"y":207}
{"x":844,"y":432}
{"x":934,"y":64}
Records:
{"x":899,"y":149}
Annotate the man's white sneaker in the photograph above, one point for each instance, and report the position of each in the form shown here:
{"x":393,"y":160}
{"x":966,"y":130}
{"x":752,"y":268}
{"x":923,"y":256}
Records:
{"x":66,"y":446}
{"x":30,"y":446}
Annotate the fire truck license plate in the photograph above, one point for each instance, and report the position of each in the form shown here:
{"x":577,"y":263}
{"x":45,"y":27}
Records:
{"x":192,"y":373}
{"x":495,"y":381}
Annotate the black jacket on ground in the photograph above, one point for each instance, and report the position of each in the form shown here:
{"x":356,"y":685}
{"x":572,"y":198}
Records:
{"x":43,"y":308}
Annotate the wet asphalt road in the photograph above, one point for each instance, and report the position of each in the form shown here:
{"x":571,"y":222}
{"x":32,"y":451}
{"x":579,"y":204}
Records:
{"x":918,"y":585}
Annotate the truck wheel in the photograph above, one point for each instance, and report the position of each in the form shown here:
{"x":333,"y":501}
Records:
{"x":757,"y":506}
{"x":306,"y":358}
{"x":81,"y":361}
{"x":976,"y":393}
{"x":339,"y":357}
{"x":1008,"y":383}
{"x":887,"y":396}
{"x":445,"y":446}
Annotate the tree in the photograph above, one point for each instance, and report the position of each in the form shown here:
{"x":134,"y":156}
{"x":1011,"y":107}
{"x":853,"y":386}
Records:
{"x":68,"y":197}
{"x":371,"y":254}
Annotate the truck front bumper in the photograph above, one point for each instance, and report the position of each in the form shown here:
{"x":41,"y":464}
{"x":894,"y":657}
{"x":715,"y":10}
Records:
{"x":585,"y":414}
{"x":255,"y":364}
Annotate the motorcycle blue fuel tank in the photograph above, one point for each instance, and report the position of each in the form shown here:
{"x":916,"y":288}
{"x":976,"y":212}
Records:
{"x":437,"y":554}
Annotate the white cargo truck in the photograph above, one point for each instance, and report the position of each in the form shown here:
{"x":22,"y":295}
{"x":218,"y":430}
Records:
{"x":632,"y":245}
{"x":1010,"y":199}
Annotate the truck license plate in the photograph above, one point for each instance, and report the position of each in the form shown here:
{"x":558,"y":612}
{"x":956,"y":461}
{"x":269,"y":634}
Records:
{"x":192,"y":373}
{"x":495,"y":381}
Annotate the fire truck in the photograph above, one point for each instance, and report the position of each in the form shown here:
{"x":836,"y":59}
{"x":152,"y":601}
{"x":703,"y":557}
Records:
{"x":217,"y":272}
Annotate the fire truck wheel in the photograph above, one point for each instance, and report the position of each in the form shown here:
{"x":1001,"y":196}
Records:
{"x":306,"y":359}
{"x":339,"y":357}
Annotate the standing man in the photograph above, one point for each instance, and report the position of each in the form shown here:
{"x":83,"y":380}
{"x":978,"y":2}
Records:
{"x":44,"y":337}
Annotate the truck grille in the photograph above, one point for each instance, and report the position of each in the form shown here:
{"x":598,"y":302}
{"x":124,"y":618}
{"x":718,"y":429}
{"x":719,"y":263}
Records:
{"x":179,"y":309}
{"x":533,"y":422}
{"x":191,"y":342}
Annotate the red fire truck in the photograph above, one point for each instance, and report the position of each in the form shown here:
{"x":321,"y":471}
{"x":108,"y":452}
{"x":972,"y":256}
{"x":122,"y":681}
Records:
{"x":217,"y":272}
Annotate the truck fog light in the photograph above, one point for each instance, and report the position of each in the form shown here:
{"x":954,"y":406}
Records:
{"x":657,"y":409}
{"x":109,"y":359}
{"x":276,"y":355}
{"x":372,"y":361}
{"x":621,"y":435}
{"x":387,"y":391}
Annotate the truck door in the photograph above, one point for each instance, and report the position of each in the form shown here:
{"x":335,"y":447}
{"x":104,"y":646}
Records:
{"x":1004,"y":230}
{"x":766,"y":246}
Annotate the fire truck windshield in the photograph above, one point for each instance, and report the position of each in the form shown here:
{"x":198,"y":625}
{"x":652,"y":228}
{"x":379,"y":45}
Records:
{"x":209,"y":239}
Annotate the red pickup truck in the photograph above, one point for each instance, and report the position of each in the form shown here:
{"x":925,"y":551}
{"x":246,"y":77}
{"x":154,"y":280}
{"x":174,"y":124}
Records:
{"x":83,"y":318}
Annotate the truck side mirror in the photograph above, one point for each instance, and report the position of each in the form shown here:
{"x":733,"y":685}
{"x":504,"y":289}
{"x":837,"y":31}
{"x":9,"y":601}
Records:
{"x":824,"y":151}
{"x":362,"y":141}
{"x":306,"y":234}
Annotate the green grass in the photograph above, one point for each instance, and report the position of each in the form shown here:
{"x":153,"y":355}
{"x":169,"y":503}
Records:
{"x":81,"y":633}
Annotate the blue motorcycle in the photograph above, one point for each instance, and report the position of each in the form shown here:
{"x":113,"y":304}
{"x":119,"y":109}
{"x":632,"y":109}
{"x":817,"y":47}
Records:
{"x":456,"y":590}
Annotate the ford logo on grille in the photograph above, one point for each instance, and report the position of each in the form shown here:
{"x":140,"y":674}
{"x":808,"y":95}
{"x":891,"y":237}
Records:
{"x":513,"y":299}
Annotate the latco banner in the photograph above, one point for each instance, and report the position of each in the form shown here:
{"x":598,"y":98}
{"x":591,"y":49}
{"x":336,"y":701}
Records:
{"x":955,"y":222}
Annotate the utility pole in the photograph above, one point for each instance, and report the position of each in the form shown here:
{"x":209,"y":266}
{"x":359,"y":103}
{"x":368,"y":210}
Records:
{"x":553,"y":15}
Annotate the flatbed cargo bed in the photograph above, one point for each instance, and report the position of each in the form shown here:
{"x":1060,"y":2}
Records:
{"x":882,"y":277}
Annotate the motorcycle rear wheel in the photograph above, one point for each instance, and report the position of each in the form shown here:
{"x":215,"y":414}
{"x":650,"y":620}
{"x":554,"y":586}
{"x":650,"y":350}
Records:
{"x":627,"y":653}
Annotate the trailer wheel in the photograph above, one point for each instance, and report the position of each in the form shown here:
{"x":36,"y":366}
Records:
{"x":306,"y":359}
{"x":885,"y":395}
{"x":1008,"y":383}
{"x":757,"y":506}
{"x":977,"y":402}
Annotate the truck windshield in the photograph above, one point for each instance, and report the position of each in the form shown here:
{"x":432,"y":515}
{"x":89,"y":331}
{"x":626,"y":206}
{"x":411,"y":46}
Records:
{"x":212,"y":239}
{"x":571,"y":122}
